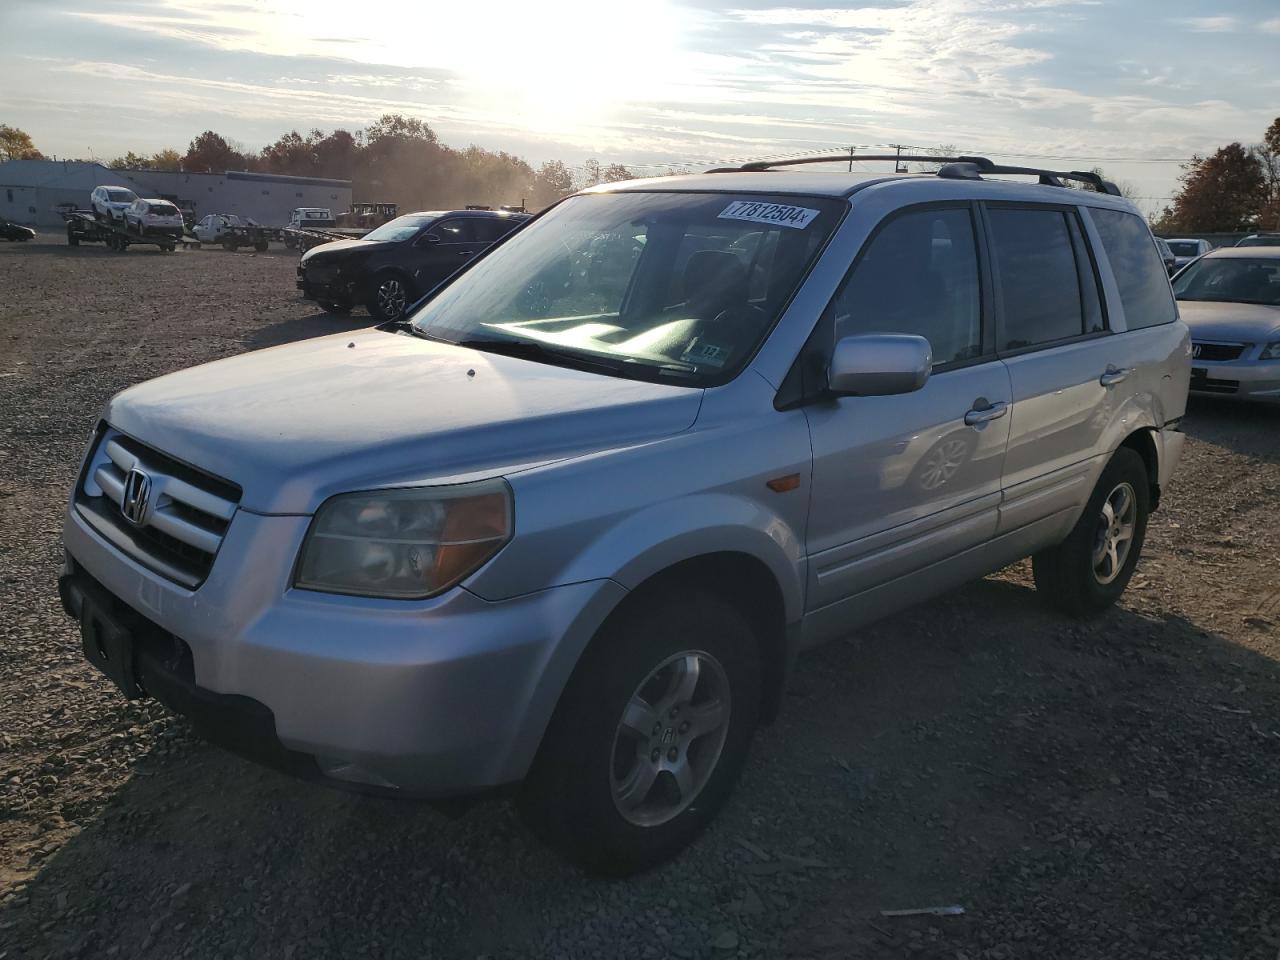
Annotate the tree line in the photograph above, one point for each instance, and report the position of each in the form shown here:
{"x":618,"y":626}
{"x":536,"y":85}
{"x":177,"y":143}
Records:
{"x":1237,"y":187}
{"x":395,"y":159}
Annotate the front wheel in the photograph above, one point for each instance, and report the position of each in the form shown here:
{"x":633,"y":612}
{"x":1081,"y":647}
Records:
{"x":390,"y":298}
{"x":649,"y":735}
{"x":1088,"y":571}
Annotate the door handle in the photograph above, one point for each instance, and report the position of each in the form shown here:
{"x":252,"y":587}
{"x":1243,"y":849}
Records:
{"x":1114,"y":376}
{"x":991,"y":412}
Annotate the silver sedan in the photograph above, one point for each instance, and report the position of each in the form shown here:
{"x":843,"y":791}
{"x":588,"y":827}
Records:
{"x":1230,"y":298}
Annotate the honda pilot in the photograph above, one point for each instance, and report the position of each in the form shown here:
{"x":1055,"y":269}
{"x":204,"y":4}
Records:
{"x":565,"y":527}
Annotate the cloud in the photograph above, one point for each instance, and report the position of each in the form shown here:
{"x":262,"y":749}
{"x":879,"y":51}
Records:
{"x":1208,"y":24}
{"x":1270,"y":26}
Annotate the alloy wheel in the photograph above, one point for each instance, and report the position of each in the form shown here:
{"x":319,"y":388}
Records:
{"x":391,"y":298}
{"x":1116,"y":526}
{"x":669,"y":738}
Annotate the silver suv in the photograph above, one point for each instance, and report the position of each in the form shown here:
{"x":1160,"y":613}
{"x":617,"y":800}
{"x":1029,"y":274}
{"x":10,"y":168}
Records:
{"x":568,"y":526}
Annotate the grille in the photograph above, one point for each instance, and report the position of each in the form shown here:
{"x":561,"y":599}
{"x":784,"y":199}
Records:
{"x":1203,"y":350}
{"x":183,"y":516}
{"x":1201,"y":382}
{"x":321,"y":272}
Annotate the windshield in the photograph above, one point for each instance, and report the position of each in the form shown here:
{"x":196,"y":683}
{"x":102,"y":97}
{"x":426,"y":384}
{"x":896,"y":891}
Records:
{"x":684,"y":285}
{"x":401,"y":228}
{"x":121,"y":196}
{"x":163,"y":209}
{"x":1230,"y":280}
{"x":1184,"y":248}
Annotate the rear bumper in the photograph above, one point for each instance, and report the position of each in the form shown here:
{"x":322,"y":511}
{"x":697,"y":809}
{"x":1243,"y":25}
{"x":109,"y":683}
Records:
{"x":173,"y":232}
{"x":434,"y":698}
{"x":1256,"y":380}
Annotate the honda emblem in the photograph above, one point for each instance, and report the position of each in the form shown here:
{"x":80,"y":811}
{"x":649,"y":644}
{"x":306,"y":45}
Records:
{"x":137,"y":494}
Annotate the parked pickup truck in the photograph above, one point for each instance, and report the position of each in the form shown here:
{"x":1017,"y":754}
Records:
{"x":567,"y":524}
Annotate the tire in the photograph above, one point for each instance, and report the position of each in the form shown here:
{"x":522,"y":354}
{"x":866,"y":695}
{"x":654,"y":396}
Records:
{"x":607,"y":794}
{"x":328,"y":306}
{"x":390,"y":297}
{"x":1089,"y":570}
{"x":229,"y":245}
{"x":169,"y":247}
{"x":261,"y":246}
{"x":72,"y":239}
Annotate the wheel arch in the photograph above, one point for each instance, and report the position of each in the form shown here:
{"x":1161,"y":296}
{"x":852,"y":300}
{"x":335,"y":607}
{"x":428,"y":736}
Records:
{"x":1143,"y":442}
{"x":745,"y":582}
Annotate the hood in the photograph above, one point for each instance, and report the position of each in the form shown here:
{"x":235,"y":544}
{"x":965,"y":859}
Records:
{"x":296,"y":424}
{"x":1244,"y":322}
{"x":341,"y":246}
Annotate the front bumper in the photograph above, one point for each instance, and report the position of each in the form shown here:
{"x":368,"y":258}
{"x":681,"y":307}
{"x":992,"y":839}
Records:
{"x":1256,"y":380}
{"x":432,"y":698}
{"x":331,"y":287}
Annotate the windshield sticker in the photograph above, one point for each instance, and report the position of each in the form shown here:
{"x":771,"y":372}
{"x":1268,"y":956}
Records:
{"x":784,"y":216}
{"x":707,"y":354}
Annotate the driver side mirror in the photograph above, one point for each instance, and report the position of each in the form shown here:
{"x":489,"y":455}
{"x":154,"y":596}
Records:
{"x":428,"y":238}
{"x":879,"y":365}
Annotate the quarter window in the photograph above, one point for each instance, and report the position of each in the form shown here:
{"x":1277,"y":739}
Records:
{"x":1138,"y":269}
{"x":1037,"y":277}
{"x":918,"y":275}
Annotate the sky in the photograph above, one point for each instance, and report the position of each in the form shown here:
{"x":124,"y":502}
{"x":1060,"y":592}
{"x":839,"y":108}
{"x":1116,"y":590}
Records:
{"x":1133,"y":86}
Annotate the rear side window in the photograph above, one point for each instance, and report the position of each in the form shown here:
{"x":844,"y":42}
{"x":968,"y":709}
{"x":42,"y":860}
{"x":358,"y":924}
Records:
{"x":489,"y":230}
{"x":1038,"y":279}
{"x":1138,"y":269}
{"x":918,"y":275}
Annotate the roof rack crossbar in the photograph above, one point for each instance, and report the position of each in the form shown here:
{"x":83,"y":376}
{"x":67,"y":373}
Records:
{"x":960,"y":167}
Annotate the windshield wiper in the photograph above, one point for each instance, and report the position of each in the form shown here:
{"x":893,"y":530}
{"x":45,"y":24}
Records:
{"x":531,"y":350}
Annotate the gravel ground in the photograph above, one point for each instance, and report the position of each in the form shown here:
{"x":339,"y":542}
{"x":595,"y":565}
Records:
{"x":1101,"y":790}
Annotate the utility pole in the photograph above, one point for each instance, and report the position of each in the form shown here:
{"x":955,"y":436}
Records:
{"x":897,"y":164}
{"x":851,"y":159}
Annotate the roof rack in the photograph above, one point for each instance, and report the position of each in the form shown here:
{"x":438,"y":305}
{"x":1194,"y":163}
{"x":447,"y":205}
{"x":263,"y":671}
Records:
{"x":953,"y":168}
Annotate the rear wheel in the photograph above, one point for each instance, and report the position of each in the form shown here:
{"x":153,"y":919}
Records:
{"x":261,"y":246}
{"x":391,"y":295}
{"x":649,"y":735}
{"x":72,"y":239}
{"x":229,"y":245}
{"x":1088,"y":571}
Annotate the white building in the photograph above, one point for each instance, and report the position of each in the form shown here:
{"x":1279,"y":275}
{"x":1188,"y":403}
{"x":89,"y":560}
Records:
{"x":34,"y":191}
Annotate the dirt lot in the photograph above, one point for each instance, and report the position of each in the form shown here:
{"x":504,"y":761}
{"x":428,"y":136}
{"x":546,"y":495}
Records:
{"x":1106,"y":790}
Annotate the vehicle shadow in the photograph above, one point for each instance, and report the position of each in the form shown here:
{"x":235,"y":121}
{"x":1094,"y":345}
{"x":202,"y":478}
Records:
{"x":1249,"y":428}
{"x":976,"y":750}
{"x":317,"y":324}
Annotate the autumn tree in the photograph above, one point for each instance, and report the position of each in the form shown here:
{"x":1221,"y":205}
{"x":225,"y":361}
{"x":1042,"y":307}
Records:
{"x":16,"y":144}
{"x":130,"y":161}
{"x":615,"y":172}
{"x":1268,"y":154}
{"x":552,"y":181}
{"x":212,"y":153}
{"x":166,"y":159}
{"x":291,"y":154}
{"x":337,"y":153}
{"x":1222,"y":192}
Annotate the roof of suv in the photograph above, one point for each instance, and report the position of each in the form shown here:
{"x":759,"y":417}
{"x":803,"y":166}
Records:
{"x":843,"y":184}
{"x":1243,"y":253}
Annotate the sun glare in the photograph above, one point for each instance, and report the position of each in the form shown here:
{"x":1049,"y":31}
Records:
{"x":548,"y":62}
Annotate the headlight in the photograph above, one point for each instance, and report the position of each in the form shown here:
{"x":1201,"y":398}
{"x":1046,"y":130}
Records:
{"x":1271,"y":351}
{"x":405,"y":543}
